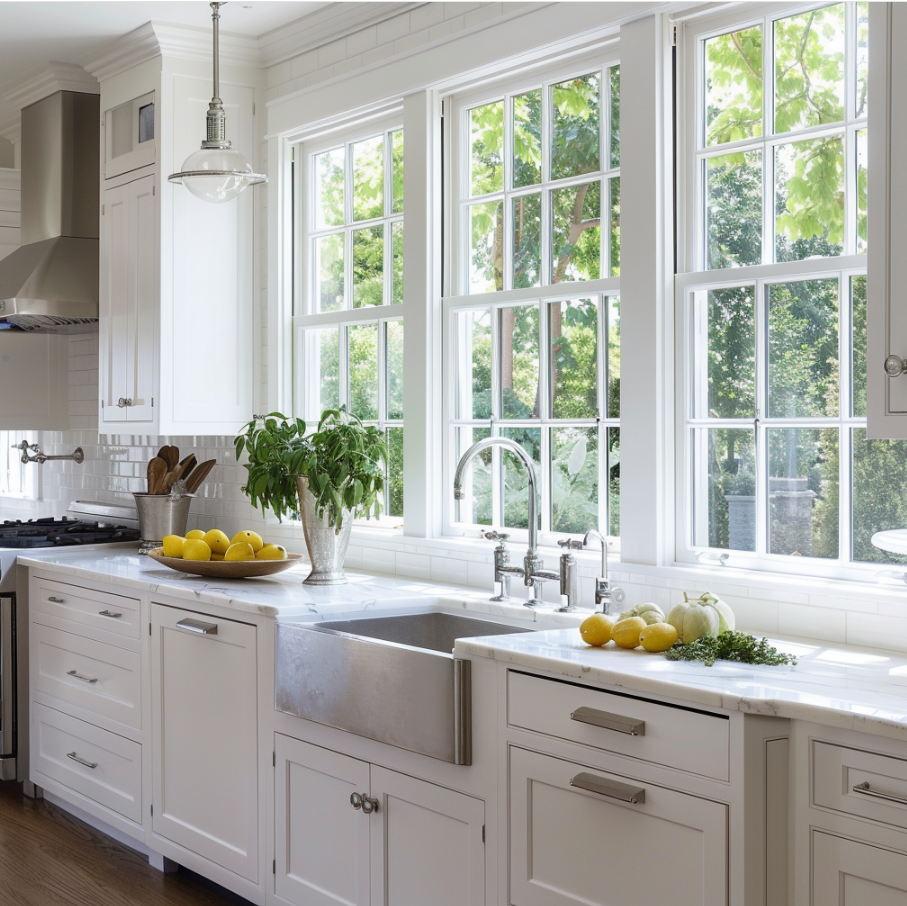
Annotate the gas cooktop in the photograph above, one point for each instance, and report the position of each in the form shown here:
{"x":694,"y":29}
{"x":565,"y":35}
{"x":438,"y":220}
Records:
{"x":51,"y":532}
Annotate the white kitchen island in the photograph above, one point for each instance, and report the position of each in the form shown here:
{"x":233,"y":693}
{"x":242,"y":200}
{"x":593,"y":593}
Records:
{"x":753,"y":779}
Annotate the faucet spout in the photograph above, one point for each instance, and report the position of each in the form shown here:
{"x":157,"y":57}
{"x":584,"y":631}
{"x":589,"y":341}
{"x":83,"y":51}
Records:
{"x":527,"y":464}
{"x":593,"y":533}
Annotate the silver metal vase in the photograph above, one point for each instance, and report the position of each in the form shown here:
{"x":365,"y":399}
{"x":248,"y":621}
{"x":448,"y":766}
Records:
{"x":326,"y":546}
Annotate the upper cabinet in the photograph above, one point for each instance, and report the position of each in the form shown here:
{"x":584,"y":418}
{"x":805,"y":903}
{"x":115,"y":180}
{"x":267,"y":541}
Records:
{"x":887,"y":264}
{"x":177,"y":294}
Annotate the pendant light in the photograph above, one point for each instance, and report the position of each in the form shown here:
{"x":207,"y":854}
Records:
{"x":216,"y":173}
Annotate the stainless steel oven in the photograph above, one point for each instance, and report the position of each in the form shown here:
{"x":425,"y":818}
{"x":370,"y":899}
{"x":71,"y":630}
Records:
{"x":89,"y":525}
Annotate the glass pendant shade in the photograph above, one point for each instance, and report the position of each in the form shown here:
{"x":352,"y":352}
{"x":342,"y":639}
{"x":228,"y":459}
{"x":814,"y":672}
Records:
{"x":217,"y":174}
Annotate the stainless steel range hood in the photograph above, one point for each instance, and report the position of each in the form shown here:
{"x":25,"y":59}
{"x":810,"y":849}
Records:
{"x":51,"y":281}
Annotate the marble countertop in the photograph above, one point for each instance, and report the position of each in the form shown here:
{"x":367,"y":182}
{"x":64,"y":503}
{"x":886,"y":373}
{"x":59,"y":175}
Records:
{"x":281,"y":596}
{"x":836,"y":686}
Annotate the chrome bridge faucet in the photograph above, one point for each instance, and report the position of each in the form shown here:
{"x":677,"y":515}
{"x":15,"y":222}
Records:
{"x":532,"y":571}
{"x":604,"y":593}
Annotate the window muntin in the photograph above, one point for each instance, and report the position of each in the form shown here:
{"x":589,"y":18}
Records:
{"x":778,"y":469}
{"x":348,"y":328}
{"x":533,"y":330}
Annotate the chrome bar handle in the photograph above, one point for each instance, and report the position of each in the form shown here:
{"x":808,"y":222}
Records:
{"x":79,"y":676}
{"x":75,"y":757}
{"x":608,"y":721}
{"x":55,"y":600}
{"x":197,"y":626}
{"x":610,"y":788}
{"x":109,"y":613}
{"x":864,"y":789}
{"x":369,"y":805}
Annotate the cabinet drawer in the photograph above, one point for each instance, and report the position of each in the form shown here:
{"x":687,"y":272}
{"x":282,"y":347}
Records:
{"x":97,"y":610}
{"x":102,"y":678}
{"x":100,"y":765}
{"x":583,"y":837}
{"x":860,"y":783}
{"x":848,"y":873}
{"x":677,"y":737}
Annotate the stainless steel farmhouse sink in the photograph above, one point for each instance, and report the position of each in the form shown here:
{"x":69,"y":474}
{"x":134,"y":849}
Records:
{"x":391,"y":678}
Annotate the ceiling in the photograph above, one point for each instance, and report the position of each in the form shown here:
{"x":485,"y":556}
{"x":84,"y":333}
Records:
{"x":34,"y":32}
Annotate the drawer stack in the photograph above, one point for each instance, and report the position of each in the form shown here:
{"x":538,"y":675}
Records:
{"x":85,"y":679}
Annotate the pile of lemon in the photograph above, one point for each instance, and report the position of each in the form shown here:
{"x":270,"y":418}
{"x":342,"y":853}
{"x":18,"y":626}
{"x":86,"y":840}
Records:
{"x":216,"y":545}
{"x":627,"y":632}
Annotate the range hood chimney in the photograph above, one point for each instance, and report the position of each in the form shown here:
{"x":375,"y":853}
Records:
{"x":51,"y":282}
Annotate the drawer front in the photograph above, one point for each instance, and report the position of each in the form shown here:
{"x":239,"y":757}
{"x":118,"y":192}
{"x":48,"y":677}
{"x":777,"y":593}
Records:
{"x":100,"y":765}
{"x":101,"y":678}
{"x":859,"y":783}
{"x":848,"y":873}
{"x":115,"y":614}
{"x":583,"y":837}
{"x":675,"y":737}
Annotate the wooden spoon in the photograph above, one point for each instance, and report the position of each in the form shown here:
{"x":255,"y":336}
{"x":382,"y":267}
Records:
{"x":157,"y":469}
{"x":199,"y":475}
{"x":184,"y":468}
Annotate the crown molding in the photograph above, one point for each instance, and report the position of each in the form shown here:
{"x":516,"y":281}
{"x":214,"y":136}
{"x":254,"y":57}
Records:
{"x":330,"y":23}
{"x":12,"y":131}
{"x":55,"y":77}
{"x":156,"y":39}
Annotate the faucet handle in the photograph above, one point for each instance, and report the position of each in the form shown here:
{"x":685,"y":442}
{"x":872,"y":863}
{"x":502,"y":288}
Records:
{"x":497,"y":536}
{"x":572,"y":544}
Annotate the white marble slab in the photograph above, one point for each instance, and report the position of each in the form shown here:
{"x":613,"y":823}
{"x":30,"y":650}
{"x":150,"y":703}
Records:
{"x":835,"y":686}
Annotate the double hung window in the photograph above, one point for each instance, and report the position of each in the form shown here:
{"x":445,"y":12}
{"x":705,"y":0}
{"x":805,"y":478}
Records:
{"x":348,"y":327}
{"x":776,"y":469}
{"x":16,"y":478}
{"x":532,"y":321}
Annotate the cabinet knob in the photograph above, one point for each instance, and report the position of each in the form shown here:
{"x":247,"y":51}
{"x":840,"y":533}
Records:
{"x":355,"y":800}
{"x":123,"y":402}
{"x":369,"y":805}
{"x":895,"y":366}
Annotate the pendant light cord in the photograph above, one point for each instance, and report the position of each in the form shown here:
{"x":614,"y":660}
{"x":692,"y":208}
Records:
{"x":215,"y":17}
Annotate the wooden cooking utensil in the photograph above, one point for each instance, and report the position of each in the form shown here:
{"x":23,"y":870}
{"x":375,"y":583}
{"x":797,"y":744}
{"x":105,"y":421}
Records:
{"x":170,"y":455}
{"x":186,"y":466}
{"x":199,"y":475}
{"x":157,"y":469}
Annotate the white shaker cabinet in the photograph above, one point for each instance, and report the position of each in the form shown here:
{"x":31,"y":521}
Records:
{"x":356,"y":833}
{"x":848,"y":873}
{"x":205,"y":731}
{"x":887,"y":204}
{"x":128,"y":302}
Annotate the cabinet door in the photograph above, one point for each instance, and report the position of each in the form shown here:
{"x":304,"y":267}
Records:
{"x":427,"y":844}
{"x":205,"y":787}
{"x":847,"y":873}
{"x":128,"y":302}
{"x":321,"y":841}
{"x":571,"y":846}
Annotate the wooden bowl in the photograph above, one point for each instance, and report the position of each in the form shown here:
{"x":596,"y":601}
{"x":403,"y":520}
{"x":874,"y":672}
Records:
{"x":225,"y":569}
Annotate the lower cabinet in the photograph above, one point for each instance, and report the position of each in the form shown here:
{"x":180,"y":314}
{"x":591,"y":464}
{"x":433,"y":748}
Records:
{"x":578,"y":837}
{"x":409,"y":842}
{"x":848,"y":873}
{"x":204,"y":705}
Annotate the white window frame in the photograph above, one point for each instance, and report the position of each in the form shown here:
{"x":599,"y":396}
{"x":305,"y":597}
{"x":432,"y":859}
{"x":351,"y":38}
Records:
{"x":18,"y":480}
{"x":457,"y":282}
{"x":695,"y":277}
{"x":305,"y":381}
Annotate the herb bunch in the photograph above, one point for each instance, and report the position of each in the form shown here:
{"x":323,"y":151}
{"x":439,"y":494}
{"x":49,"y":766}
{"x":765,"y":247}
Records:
{"x":730,"y":646}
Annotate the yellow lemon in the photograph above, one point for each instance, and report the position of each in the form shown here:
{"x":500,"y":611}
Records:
{"x":272,"y":552}
{"x":252,"y":538}
{"x":658,"y":637}
{"x":173,"y":545}
{"x":195,"y":534}
{"x":596,"y":630}
{"x":217,"y":556}
{"x":196,"y":549}
{"x":217,"y":541}
{"x":242,"y":550}
{"x":626,"y":632}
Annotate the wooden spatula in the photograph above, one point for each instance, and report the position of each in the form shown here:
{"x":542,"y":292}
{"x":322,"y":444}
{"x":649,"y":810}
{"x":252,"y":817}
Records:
{"x":157,"y":469}
{"x":199,"y":474}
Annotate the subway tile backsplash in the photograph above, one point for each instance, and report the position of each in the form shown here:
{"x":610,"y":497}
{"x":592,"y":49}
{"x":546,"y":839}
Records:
{"x":115,"y":466}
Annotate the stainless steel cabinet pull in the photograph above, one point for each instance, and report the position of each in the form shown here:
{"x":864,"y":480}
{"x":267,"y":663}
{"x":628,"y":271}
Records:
{"x":609,"y":721}
{"x":57,"y":600}
{"x":610,"y":788}
{"x":88,"y":764}
{"x":197,"y":626}
{"x":109,"y":613}
{"x":865,"y":790}
{"x":355,"y":800}
{"x":85,"y":679}
{"x":369,"y":805}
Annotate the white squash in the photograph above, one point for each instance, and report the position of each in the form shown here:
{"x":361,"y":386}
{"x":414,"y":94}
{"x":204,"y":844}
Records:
{"x":694,"y":619}
{"x":651,"y":613}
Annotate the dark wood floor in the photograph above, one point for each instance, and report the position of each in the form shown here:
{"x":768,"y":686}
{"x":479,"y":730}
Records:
{"x":49,"y":858}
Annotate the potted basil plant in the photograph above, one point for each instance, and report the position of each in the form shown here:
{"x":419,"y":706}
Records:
{"x":326,"y":478}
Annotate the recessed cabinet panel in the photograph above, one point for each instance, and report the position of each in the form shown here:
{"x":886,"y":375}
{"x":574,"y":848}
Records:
{"x":572,"y":845}
{"x":129,"y":133}
{"x":847,"y":873}
{"x":37,"y":366}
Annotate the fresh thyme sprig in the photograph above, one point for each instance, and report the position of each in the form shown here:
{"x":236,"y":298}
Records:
{"x":730,"y":646}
